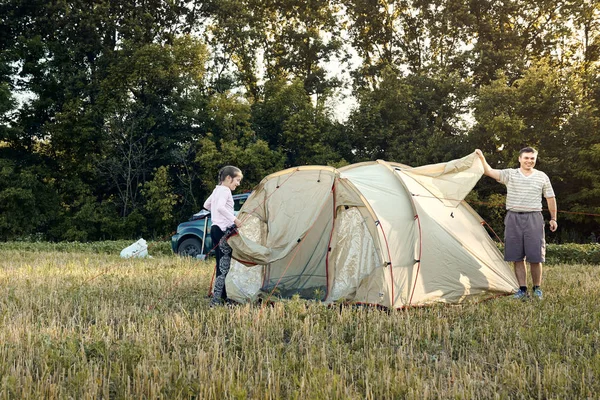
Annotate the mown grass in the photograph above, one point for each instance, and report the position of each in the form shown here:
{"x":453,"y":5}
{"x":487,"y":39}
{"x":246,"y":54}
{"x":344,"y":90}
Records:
{"x":105,"y":247}
{"x":92,"y":325}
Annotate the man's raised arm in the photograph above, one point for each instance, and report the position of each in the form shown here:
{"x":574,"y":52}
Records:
{"x":487,"y":170}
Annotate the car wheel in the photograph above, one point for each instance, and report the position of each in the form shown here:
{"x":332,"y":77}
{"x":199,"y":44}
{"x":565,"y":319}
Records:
{"x":190,"y":247}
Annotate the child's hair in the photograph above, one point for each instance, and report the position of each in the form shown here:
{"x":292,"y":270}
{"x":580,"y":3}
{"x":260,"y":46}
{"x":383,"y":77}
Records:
{"x":229,"y":170}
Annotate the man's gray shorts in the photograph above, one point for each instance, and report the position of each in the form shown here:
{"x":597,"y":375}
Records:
{"x":524,"y":237}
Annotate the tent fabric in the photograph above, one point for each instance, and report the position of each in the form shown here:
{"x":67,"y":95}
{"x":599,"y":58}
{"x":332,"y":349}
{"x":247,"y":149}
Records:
{"x":244,"y":283}
{"x":353,"y":250}
{"x":450,"y":182}
{"x":378,"y":233}
{"x":298,"y":205}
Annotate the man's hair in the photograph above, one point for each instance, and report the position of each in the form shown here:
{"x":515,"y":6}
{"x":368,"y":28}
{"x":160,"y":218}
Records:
{"x":229,"y":170}
{"x":527,"y":150}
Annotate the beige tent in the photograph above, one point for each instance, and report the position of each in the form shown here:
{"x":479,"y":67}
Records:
{"x":378,"y":233}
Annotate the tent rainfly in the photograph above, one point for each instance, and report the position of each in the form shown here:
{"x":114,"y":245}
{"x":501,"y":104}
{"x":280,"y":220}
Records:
{"x":378,"y":233}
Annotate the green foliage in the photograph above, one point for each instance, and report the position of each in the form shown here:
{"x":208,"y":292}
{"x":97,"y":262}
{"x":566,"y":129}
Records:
{"x":115,"y":90}
{"x":410,"y":119}
{"x":230,"y":118}
{"x":492,"y":209}
{"x":85,"y":222}
{"x":571,"y":253}
{"x":95,"y":97}
{"x":545,"y":109}
{"x":88,"y":220}
{"x":289,"y":121}
{"x":232,"y":141}
{"x":28,"y":206}
{"x":296,"y":39}
{"x":151,"y":93}
{"x":160,"y":201}
{"x":7,"y":103}
{"x":567,"y":253}
{"x":256,"y":161}
{"x":530,"y":111}
{"x":582,"y":186}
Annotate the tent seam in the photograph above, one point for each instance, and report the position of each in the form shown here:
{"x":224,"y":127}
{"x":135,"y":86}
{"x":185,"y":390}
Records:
{"x":328,"y":252}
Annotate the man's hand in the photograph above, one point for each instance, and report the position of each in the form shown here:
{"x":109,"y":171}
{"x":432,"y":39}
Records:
{"x":553,"y":225}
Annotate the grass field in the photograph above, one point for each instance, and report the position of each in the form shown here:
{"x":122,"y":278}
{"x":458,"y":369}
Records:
{"x":87,"y":324}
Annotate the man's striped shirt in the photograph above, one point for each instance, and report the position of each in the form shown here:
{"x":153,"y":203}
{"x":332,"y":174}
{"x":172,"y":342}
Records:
{"x":524,"y":193}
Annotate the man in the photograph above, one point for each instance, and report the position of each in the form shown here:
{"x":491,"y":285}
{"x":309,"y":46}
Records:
{"x":524,"y":224}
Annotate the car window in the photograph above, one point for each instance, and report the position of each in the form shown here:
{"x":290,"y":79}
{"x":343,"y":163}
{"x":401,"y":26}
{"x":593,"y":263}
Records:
{"x":238,"y":203}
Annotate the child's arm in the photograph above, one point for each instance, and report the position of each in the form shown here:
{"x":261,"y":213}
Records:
{"x":208,"y":203}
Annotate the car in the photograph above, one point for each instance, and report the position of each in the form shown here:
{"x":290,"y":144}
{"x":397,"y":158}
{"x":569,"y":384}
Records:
{"x":193,"y":236}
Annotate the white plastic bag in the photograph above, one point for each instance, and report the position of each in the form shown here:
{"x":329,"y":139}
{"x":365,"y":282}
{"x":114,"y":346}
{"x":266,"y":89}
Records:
{"x":138,"y":249}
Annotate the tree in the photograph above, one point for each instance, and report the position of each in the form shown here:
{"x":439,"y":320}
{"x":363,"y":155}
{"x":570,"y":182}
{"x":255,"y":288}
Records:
{"x":231,"y":140}
{"x":150,"y":100}
{"x":509,"y":35}
{"x":295,"y":39}
{"x":256,"y":161}
{"x":160,"y":201}
{"x":412,"y":120}
{"x":288,"y":121}
{"x":28,"y":203}
{"x":123,"y":95}
{"x":106,"y":79}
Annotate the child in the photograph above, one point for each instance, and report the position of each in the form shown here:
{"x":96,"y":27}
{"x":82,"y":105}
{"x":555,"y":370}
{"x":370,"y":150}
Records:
{"x":220,"y":204}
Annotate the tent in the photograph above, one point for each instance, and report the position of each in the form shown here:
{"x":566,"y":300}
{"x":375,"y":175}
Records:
{"x":378,"y":233}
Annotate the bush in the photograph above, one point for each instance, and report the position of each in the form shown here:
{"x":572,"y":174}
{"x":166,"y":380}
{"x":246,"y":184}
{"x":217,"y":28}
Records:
{"x":570,"y":253}
{"x":573,"y":253}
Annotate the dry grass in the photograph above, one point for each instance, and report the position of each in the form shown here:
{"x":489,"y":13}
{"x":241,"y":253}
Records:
{"x":143,"y":329}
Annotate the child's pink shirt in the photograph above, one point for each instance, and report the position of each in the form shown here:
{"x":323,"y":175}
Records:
{"x":220,"y":205}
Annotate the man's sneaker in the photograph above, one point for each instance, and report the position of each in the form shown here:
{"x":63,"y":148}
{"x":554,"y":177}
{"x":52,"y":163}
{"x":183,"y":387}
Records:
{"x":538,"y":294}
{"x":521,"y":295}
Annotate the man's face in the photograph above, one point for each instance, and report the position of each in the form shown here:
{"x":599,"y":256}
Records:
{"x":527,"y":161}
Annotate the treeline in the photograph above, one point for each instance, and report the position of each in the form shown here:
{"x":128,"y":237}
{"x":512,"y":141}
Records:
{"x":116,"y":115}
